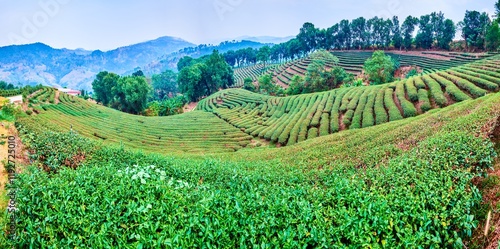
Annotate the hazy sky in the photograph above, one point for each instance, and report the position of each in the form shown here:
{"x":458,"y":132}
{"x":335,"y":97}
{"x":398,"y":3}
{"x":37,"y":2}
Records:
{"x":108,"y":24}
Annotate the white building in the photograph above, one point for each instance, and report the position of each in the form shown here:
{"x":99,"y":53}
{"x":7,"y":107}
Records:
{"x":16,"y":99}
{"x":70,"y":91}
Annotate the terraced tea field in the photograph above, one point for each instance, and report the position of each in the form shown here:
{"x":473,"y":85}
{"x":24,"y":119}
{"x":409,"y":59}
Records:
{"x":289,"y":120}
{"x":352,"y":61}
{"x":411,"y":185}
{"x":195,"y":132}
{"x":241,"y":116}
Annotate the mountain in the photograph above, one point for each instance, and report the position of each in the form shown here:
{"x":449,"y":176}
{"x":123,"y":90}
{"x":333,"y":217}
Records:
{"x":39,"y":63}
{"x":266,"y":39}
{"x":169,"y":61}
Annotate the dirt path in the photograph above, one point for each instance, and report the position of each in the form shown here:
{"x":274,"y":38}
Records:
{"x":190,"y":107}
{"x":56,"y":98}
{"x":4,"y":133}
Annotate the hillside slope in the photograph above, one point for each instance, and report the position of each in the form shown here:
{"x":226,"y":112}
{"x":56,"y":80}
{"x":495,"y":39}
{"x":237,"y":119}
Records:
{"x":294,"y":119}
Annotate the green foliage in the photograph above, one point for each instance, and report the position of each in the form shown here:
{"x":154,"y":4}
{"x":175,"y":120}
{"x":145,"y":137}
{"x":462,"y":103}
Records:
{"x":248,"y":85}
{"x":296,"y":86}
{"x":167,"y":107}
{"x":8,"y":112}
{"x":423,"y":98}
{"x":53,"y":150}
{"x":411,"y":73}
{"x":203,"y":77}
{"x":163,"y":84}
{"x":474,"y":27}
{"x":131,"y":93}
{"x":318,"y":78}
{"x":148,"y":200}
{"x":267,"y":85}
{"x":379,"y":68}
{"x":103,"y":87}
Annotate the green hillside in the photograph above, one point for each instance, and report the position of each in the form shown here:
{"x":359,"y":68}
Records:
{"x":296,"y":118}
{"x":383,"y":166}
{"x":352,"y":61}
{"x":398,"y":184}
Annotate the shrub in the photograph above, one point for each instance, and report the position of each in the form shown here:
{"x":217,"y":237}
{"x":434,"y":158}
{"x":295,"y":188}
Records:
{"x":465,"y":84}
{"x":380,"y":112}
{"x":411,"y":90}
{"x":394,"y":113}
{"x":312,"y":133}
{"x":423,"y":98}
{"x":408,"y":107}
{"x":436,"y":92}
{"x":452,"y":90}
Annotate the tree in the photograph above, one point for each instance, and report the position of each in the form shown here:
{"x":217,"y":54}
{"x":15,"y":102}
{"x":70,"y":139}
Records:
{"x":205,"y":77}
{"x":103,"y":85}
{"x":358,"y":30}
{"x":138,"y":73}
{"x":264,"y":54}
{"x":131,"y":93}
{"x":189,"y":79}
{"x":217,"y":74}
{"x":318,"y":77}
{"x":493,"y":37}
{"x":231,"y":57}
{"x":307,"y":37}
{"x":397,"y":39}
{"x":474,"y":27}
{"x":267,"y":85}
{"x":497,"y":10}
{"x":185,"y":61}
{"x":296,"y":85}
{"x":248,"y":85}
{"x":164,"y":83}
{"x":446,"y":37}
{"x":408,"y":27}
{"x":344,"y":34}
{"x":379,"y":68}
{"x":425,"y":37}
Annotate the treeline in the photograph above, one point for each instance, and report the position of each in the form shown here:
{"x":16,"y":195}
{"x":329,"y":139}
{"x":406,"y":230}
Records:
{"x":434,"y":31}
{"x":159,"y":96}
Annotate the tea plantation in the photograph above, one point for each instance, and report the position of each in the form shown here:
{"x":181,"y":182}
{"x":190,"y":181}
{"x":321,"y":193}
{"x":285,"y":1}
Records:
{"x":387,"y":166}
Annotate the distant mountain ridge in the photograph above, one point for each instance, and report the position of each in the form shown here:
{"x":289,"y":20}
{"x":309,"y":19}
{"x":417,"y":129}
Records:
{"x":39,"y":63}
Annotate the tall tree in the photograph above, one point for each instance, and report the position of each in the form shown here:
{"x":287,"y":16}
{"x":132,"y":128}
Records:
{"x":497,"y":10}
{"x":184,"y":62}
{"x":474,"y":27}
{"x":307,"y":37}
{"x":189,"y":79}
{"x":358,"y":31}
{"x":131,"y":93}
{"x":164,"y":83}
{"x":446,"y":36}
{"x":263,"y":54}
{"x":425,"y":36}
{"x":103,"y":85}
{"x":205,"y":77}
{"x":493,"y":37}
{"x":397,"y":39}
{"x":408,"y":27}
{"x":344,"y":34}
